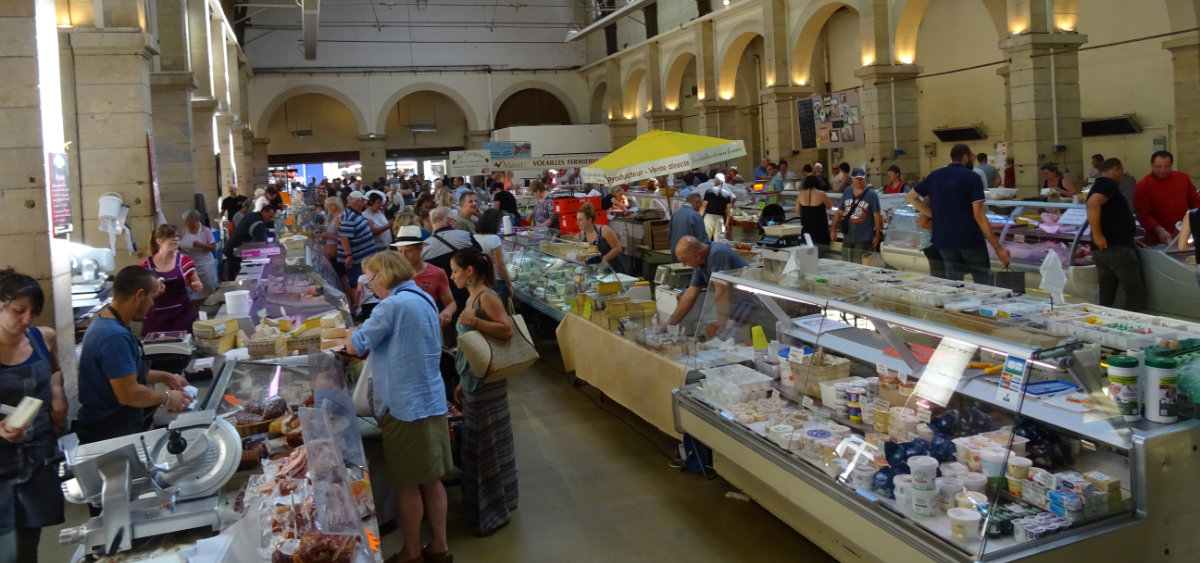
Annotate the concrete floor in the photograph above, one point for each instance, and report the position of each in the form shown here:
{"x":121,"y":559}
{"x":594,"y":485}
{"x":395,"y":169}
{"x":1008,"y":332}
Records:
{"x":596,"y":485}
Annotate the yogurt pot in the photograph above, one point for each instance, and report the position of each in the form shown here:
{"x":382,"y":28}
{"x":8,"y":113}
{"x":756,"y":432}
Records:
{"x":954,"y":469}
{"x":974,"y":457}
{"x":971,"y":499}
{"x":1014,"y":485}
{"x":924,"y":503}
{"x":1018,"y":445}
{"x":903,"y":483}
{"x":947,"y":488}
{"x":964,"y":523}
{"x":974,"y":481}
{"x":993,"y":462}
{"x":924,"y":472}
{"x":924,"y":432}
{"x":1018,"y":467}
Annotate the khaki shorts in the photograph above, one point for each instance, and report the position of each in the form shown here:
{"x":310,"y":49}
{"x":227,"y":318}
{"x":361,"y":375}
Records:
{"x":416,"y":452}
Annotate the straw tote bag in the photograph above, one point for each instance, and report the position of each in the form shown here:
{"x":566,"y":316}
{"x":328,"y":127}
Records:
{"x":493,"y":360}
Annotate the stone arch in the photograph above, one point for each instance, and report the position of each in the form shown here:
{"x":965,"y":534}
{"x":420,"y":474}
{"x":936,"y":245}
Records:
{"x":264,"y":117}
{"x":911,"y":12}
{"x":811,"y":21}
{"x":727,"y":76}
{"x":473,"y":121}
{"x":424,"y":107}
{"x":531,"y":106}
{"x":633,"y":87}
{"x":563,"y":98}
{"x":674,"y":79}
{"x":599,"y":112}
{"x":1184,"y":13}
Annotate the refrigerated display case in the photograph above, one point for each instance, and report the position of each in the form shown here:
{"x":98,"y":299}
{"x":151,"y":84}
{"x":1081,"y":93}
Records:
{"x":862,"y":419}
{"x":548,"y":271}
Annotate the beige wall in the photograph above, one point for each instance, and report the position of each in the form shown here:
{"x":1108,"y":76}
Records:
{"x":425,"y":108}
{"x":333,"y":126}
{"x":1133,"y":78}
{"x":958,"y":34}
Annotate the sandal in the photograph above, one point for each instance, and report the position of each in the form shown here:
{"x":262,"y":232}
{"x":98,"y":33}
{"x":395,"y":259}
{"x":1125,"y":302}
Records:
{"x":395,"y":558}
{"x":431,"y":557}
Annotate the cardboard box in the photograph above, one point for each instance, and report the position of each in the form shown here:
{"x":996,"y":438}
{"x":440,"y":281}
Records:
{"x":214,"y":346}
{"x":212,"y":329}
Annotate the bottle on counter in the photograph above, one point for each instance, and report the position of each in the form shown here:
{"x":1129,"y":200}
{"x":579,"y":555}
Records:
{"x":1161,"y":390}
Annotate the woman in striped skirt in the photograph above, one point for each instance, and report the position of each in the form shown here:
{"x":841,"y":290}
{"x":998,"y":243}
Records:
{"x":489,"y":464}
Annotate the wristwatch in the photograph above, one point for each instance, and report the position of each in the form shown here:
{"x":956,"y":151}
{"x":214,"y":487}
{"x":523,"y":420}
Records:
{"x":166,"y":398}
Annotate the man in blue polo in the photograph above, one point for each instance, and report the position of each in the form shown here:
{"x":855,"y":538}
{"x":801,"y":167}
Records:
{"x":961,"y":231}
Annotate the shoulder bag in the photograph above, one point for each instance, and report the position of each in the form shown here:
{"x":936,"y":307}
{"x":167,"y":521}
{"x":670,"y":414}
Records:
{"x":844,"y":226}
{"x":492,"y":359}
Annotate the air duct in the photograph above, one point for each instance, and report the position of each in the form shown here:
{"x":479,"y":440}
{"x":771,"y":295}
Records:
{"x":310,"y":18}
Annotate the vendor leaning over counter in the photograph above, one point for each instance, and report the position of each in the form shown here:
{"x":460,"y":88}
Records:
{"x":114,"y":375}
{"x":704,"y":259}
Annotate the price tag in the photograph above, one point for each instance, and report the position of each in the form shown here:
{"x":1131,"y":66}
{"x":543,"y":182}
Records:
{"x":587,"y":309}
{"x":1012,"y":381}
{"x":924,"y":415}
{"x":882,"y":404}
{"x":807,"y":403}
{"x":881,"y":369}
{"x":942,"y":374}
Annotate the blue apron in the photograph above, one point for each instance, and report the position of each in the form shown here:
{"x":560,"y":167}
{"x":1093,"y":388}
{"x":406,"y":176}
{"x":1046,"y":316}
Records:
{"x":30,"y":495}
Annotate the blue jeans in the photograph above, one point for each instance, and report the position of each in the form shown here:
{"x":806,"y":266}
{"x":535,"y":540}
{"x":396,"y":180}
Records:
{"x":352,"y":274}
{"x":961,"y":261}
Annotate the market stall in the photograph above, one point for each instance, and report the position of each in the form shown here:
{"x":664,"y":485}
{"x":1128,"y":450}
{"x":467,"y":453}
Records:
{"x":886,"y":425}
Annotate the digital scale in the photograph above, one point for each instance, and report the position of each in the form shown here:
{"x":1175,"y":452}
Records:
{"x":785,"y":241}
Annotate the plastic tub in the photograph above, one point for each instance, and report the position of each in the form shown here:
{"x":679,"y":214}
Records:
{"x":924,"y":503}
{"x":924,"y":472}
{"x":974,"y":481}
{"x":993,"y":462}
{"x":964,"y":523}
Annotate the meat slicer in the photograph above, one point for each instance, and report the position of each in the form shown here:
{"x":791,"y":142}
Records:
{"x":149,"y":484}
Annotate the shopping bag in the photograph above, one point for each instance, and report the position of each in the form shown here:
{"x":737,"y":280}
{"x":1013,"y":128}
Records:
{"x":363,"y":393}
{"x":494,"y":360}
{"x":1008,"y":279}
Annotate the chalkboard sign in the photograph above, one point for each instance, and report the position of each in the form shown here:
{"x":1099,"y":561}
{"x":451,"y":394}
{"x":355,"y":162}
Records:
{"x":808,"y":124}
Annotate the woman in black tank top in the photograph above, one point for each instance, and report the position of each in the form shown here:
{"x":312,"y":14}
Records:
{"x":812,"y":205}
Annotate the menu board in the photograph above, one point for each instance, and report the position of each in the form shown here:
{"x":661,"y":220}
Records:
{"x":837,"y":119}
{"x":60,"y":193}
{"x":808,"y":125}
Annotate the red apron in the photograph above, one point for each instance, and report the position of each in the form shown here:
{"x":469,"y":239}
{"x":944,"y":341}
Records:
{"x":173,"y":309}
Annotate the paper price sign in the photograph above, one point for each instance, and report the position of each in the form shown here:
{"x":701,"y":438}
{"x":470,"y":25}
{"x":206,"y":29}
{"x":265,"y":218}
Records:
{"x":945,"y":369}
{"x":587,"y":309}
{"x":807,"y":403}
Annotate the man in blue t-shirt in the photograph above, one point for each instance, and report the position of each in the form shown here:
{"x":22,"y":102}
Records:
{"x":357,"y":242}
{"x":961,"y":230}
{"x":860,"y":206}
{"x":704,"y":260}
{"x":114,"y":377}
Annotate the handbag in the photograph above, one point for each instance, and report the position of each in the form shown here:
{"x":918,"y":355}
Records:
{"x":1008,"y":279}
{"x":844,"y":224}
{"x":492,"y":359}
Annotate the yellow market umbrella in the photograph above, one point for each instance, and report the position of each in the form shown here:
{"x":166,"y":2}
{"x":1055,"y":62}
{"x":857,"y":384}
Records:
{"x":659,"y":153}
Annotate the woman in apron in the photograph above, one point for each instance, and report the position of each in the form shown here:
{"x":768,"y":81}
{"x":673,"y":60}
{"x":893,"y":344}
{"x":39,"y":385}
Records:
{"x":197,"y":240}
{"x":602,"y":237}
{"x":173,"y":309}
{"x":30,"y":496}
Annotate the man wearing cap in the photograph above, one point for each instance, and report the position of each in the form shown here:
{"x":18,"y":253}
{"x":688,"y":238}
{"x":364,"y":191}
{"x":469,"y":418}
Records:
{"x":431,"y":280}
{"x":961,"y":231}
{"x":864,"y":222}
{"x":356,"y":241}
{"x":718,"y":208}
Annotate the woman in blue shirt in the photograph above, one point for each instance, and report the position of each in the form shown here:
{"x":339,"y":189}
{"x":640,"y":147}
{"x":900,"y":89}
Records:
{"x":409,"y":399}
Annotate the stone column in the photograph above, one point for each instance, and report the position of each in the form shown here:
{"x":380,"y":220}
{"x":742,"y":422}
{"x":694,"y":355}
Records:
{"x":654,"y":76}
{"x":260,"y":160}
{"x":718,"y":118}
{"x":198,"y":44}
{"x":372,"y":152}
{"x":227,"y":173}
{"x":1185,"y":56}
{"x":623,"y":131}
{"x":242,"y":154}
{"x":781,"y":128}
{"x":476,"y":138}
{"x":27,"y":240}
{"x":203,"y":135}
{"x":112,"y":83}
{"x":665,"y":120}
{"x":706,"y":63}
{"x":888,"y":110}
{"x":1032,"y":87}
{"x":174,"y":151}
{"x":1003,"y":72}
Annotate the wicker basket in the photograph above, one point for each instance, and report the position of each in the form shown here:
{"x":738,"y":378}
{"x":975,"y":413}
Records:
{"x":256,"y":428}
{"x":809,"y":376}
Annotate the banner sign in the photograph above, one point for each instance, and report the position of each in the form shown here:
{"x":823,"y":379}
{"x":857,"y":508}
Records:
{"x":60,"y":193}
{"x":470,"y":163}
{"x":509,"y":149}
{"x":547,"y":162}
{"x":838,"y":119}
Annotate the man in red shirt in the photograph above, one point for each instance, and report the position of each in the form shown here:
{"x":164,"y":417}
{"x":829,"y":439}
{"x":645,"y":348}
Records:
{"x":1162,"y":198}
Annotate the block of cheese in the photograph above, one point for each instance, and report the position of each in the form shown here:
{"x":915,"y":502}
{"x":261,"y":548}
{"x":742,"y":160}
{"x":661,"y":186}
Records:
{"x":327,"y":343}
{"x":300,"y":341}
{"x":308,"y":324}
{"x":331,"y":320}
{"x":333,"y":333}
{"x":284,"y":324}
{"x":213,"y":346}
{"x":268,"y":347}
{"x":24,"y":413}
{"x":1103,"y":482}
{"x":214,"y":328}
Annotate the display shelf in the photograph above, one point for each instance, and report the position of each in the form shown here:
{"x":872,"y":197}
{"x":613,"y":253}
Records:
{"x":539,"y":305}
{"x":1109,"y":431}
{"x":855,"y":343}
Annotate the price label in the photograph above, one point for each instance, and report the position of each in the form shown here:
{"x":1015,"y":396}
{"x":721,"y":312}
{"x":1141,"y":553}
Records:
{"x":587,"y":309}
{"x":882,"y":404}
{"x":881,"y":369}
{"x":1012,"y":381}
{"x":807,"y":403}
{"x":924,"y":415}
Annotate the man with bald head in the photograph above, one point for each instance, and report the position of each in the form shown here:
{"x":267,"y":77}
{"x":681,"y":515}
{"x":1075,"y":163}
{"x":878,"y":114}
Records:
{"x":704,"y":259}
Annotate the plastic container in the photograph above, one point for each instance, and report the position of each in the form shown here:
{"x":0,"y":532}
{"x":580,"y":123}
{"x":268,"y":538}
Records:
{"x":964,"y":523}
{"x":1161,"y":392}
{"x":1123,"y":386}
{"x":924,"y":503}
{"x":971,"y":499}
{"x":1019,"y":466}
{"x":924,"y":472}
{"x":903,"y":483}
{"x":974,"y":481}
{"x":993,"y":462}
{"x":237,"y":303}
{"x":948,"y":487}
{"x":954,"y":469}
{"x":1014,"y":485}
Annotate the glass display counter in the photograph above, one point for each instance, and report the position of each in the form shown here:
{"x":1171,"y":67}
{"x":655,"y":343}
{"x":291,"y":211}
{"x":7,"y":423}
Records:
{"x":548,"y":272}
{"x":894,"y":428}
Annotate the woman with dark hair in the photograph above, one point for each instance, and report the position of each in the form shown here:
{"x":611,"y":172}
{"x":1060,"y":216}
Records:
{"x":812,"y":206}
{"x":381,"y":226}
{"x":172,"y":310}
{"x":489,"y":463}
{"x":603,"y":238}
{"x":487,"y":234}
{"x":842,"y":178}
{"x":425,"y":204}
{"x":895,"y":185}
{"x":1052,"y":178}
{"x":30,"y":496}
